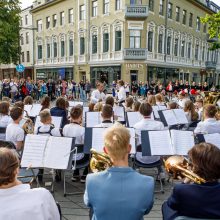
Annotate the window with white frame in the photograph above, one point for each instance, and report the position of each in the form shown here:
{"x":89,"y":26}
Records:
{"x":150,"y":41}
{"x":151,"y":5}
{"x":27,"y":38}
{"x":22,"y":57}
{"x":135,"y":39}
{"x":28,"y":56}
{"x":54,"y":20}
{"x":26,"y":19}
{"x":169,"y":45}
{"x":82,"y":45}
{"x":94,"y":43}
{"x":62,"y":18}
{"x":47,"y":22}
{"x":105,"y":6}
{"x":161,"y":7}
{"x":190,"y":19}
{"x":48,"y":50}
{"x":197,"y":51}
{"x":189,"y":50}
{"x":105,"y":42}
{"x":62,"y":48}
{"x":118,"y":36}
{"x":183,"y":48}
{"x":55,"y":49}
{"x":184,"y":16}
{"x":82,"y":12}
{"x":203,"y":53}
{"x":71,"y":47}
{"x":160,"y":43}
{"x":198,"y":24}
{"x":39,"y":25}
{"x":170,"y":10}
{"x":177,"y":14}
{"x":94,"y":8}
{"x":22,"y":39}
{"x":117,"y":5}
{"x":39,"y":52}
{"x":71,"y":15}
{"x":176,"y":46}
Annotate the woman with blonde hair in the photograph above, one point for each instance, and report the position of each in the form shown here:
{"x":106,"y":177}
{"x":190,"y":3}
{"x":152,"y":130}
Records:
{"x":190,"y":111}
{"x":159,"y":99}
{"x":151,"y":100}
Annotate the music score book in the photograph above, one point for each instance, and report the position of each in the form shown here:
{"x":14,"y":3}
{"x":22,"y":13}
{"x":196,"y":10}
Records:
{"x":157,"y":108}
{"x":56,"y":121}
{"x":210,"y":138}
{"x":173,"y":117}
{"x":75,"y":103}
{"x":174,"y":142}
{"x":119,"y":111}
{"x":134,"y":117}
{"x":47,"y":152}
{"x":33,"y":110}
{"x":93,"y":119}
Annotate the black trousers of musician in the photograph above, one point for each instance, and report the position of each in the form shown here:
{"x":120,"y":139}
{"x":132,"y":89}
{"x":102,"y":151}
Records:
{"x":81,"y":162}
{"x":168,"y":213}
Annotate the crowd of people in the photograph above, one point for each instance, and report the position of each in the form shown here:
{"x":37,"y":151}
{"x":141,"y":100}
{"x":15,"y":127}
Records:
{"x":119,"y":192}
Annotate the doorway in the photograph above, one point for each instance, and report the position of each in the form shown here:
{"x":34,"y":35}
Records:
{"x":83,"y":76}
{"x":134,"y":75}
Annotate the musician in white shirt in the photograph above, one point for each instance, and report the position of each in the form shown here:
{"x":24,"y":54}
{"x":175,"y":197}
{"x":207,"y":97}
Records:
{"x":199,"y":107}
{"x":210,"y":125}
{"x":98,"y":95}
{"x":147,"y":124}
{"x":18,"y":201}
{"x":5,"y":119}
{"x":182,"y":99}
{"x":107,"y":115}
{"x":121,"y":93}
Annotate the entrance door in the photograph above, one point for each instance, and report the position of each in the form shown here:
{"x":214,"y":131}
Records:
{"x":83,"y":76}
{"x":134,"y":75}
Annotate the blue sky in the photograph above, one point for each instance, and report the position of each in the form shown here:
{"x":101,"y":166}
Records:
{"x":26,"y":3}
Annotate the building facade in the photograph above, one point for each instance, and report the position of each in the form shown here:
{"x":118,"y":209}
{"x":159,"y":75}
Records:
{"x":136,"y":40}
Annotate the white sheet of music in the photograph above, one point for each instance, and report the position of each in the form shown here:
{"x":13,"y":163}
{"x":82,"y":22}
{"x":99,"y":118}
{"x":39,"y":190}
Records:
{"x":180,"y":116}
{"x":120,"y":112}
{"x":85,"y":109}
{"x":74,"y":103}
{"x":98,"y":139}
{"x":213,"y":139}
{"x":182,"y":141}
{"x":155,"y":111}
{"x":160,"y":142}
{"x":133,"y":118}
{"x":93,"y":119}
{"x":34,"y":151}
{"x":170,"y":117}
{"x":162,"y":107}
{"x":132,"y":140}
{"x":27,"y":109}
{"x":35,"y":110}
{"x":56,"y":121}
{"x":58,"y":153}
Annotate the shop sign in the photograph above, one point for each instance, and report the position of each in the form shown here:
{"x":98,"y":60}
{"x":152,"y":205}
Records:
{"x":41,"y":75}
{"x":134,"y":66}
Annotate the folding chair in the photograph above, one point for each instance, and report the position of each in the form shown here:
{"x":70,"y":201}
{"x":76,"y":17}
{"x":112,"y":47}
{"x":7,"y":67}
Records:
{"x":138,"y":164}
{"x":80,"y":149}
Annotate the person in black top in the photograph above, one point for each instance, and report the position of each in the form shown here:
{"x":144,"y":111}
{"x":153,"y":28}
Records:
{"x":205,"y":87}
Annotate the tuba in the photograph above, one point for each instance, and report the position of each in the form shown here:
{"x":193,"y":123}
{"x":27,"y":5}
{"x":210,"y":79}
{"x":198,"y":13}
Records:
{"x":99,"y":161}
{"x":177,"y":166}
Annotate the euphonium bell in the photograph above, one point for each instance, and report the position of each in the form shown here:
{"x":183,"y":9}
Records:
{"x":99,"y":161}
{"x":177,"y":166}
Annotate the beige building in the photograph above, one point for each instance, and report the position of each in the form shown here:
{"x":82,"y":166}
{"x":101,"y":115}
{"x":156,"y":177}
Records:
{"x":129,"y":39}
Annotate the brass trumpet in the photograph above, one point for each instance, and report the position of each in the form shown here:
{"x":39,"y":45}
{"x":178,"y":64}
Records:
{"x":177,"y":166}
{"x":99,"y":161}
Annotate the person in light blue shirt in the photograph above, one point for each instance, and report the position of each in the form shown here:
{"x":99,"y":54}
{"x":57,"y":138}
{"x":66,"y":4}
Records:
{"x":118,"y":193}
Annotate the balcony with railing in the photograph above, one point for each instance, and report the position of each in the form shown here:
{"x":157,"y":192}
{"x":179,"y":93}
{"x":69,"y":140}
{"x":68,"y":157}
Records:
{"x":210,"y":65}
{"x":135,"y":54}
{"x":136,"y":11}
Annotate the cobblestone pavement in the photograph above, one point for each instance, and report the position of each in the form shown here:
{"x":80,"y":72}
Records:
{"x":73,"y":207}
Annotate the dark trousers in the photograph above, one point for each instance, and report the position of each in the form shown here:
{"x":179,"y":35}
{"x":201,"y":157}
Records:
{"x":168,"y":213}
{"x":80,"y":162}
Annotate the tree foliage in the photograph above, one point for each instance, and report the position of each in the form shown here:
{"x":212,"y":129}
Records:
{"x":213,"y":22}
{"x":9,"y":31}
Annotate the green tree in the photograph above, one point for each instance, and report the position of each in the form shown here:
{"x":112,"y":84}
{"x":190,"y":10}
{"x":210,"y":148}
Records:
{"x":9,"y":31}
{"x":213,"y":22}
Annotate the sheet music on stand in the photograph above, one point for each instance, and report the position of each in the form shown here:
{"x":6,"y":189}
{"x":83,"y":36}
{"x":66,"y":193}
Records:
{"x":119,"y":111}
{"x":93,"y":119}
{"x":157,"y":108}
{"x":167,"y":142}
{"x":173,"y":117}
{"x":56,"y":121}
{"x":213,"y":139}
{"x":47,"y":152}
{"x":98,"y":139}
{"x":33,"y":110}
{"x":75,"y":103}
{"x":134,"y":117}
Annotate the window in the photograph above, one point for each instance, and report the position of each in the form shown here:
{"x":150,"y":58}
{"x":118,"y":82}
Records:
{"x":27,"y":38}
{"x":177,"y":14}
{"x":62,"y":47}
{"x":22,"y":39}
{"x":183,"y":48}
{"x":151,"y":5}
{"x":150,"y":41}
{"x":55,"y":49}
{"x":197,"y":52}
{"x":82,"y":45}
{"x":21,"y":22}
{"x":135,"y":2}
{"x":94,"y":43}
{"x":26,"y":19}
{"x":117,"y":40}
{"x":94,"y":8}
{"x":135,"y":39}
{"x":189,"y":50}
{"x":81,"y":12}
{"x":168,"y":45}
{"x":117,"y":4}
{"x":105,"y":6}
{"x":203,"y":53}
{"x":48,"y":50}
{"x":40,"y":52}
{"x":54,"y":20}
{"x":160,"y":43}
{"x":22,"y":57}
{"x":62,"y":18}
{"x":170,"y":10}
{"x":28,"y":56}
{"x":47,"y":22}
{"x":198,"y":25}
{"x":71,"y":15}
{"x":184,"y":16}
{"x":190,"y":19}
{"x":39,"y":25}
{"x":161,"y":9}
{"x":71,"y":47}
{"x":176,"y":46}
{"x":105,"y":42}
{"x":204,"y":28}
